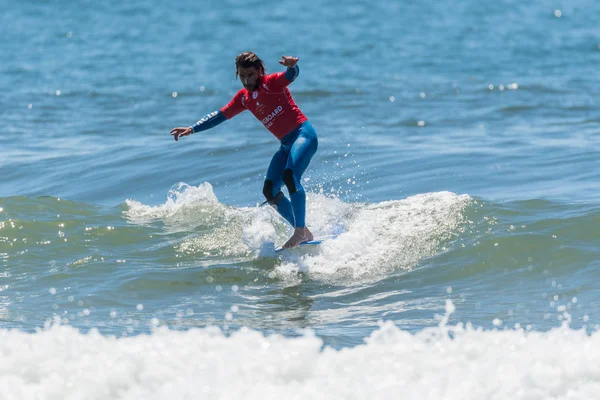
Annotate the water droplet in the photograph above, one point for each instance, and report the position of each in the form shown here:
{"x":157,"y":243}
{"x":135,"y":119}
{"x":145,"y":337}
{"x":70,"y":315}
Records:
{"x":174,"y":94}
{"x":139,"y":307}
{"x":57,"y":92}
{"x":392,"y":99}
{"x":52,"y":290}
{"x":421,"y":123}
{"x":557,"y":13}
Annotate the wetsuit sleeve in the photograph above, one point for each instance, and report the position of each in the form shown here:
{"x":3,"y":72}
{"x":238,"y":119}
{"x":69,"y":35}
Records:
{"x":235,"y":106}
{"x":209,"y":121}
{"x":285,"y":78}
{"x":292,"y":73}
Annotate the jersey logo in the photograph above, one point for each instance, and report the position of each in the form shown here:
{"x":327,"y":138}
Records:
{"x":269,"y":117}
{"x":254,"y":95}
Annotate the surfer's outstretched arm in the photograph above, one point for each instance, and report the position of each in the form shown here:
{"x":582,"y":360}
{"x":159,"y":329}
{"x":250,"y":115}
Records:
{"x":233,"y":108}
{"x":209,"y":121}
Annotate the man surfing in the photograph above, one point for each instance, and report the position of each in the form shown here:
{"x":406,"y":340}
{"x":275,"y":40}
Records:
{"x":269,"y":99}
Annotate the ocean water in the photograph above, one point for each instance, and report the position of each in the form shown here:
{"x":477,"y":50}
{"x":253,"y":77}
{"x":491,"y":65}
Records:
{"x":458,"y":157}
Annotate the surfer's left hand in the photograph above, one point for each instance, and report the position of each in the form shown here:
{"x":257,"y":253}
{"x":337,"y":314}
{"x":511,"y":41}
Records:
{"x":289,"y":61}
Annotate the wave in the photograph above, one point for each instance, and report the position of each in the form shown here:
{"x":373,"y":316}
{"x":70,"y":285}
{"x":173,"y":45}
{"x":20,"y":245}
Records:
{"x":375,"y":239}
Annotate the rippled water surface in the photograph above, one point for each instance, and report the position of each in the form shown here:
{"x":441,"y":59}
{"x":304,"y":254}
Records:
{"x":458,"y":162}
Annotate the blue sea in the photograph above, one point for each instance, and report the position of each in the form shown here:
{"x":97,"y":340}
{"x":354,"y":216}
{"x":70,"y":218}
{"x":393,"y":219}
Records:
{"x":458,"y":161}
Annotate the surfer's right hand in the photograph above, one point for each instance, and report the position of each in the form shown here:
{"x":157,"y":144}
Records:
{"x":181,"y":131}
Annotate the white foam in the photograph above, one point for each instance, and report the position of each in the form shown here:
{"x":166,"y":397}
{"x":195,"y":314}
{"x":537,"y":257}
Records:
{"x":62,"y":363}
{"x":260,"y":234}
{"x":180,"y":197}
{"x":376,"y":239}
{"x":382,"y":237}
{"x":216,"y":229}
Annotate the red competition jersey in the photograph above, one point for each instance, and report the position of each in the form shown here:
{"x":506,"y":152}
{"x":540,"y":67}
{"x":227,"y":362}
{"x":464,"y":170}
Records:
{"x":271,"y":104}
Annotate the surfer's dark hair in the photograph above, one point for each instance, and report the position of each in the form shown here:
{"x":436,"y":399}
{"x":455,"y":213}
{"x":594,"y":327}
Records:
{"x":247,"y":60}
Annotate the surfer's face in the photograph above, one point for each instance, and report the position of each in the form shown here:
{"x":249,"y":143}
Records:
{"x":249,"y":77}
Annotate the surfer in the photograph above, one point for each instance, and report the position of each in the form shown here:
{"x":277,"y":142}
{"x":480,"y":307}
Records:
{"x":268,"y":98}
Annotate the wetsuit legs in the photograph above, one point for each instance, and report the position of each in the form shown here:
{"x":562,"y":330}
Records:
{"x":301,"y":152}
{"x":287,"y":166}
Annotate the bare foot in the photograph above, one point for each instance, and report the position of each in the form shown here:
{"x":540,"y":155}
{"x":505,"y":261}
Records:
{"x":300,"y":235}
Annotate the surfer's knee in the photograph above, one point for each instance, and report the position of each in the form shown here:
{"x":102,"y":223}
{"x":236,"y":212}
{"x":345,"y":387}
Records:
{"x":268,"y":193}
{"x":290,"y":181}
